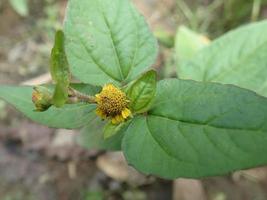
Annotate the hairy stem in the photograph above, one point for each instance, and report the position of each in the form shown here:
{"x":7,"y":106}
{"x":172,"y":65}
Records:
{"x":76,"y":96}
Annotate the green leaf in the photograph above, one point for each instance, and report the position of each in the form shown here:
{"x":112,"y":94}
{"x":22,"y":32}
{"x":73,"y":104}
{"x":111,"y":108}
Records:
{"x":59,"y":69}
{"x":113,"y":129}
{"x":92,"y":137}
{"x":142,"y":92}
{"x":107,"y":42}
{"x":198,"y":130}
{"x":20,"y":6}
{"x":238,"y":58}
{"x":20,"y":98}
{"x":188,"y":43}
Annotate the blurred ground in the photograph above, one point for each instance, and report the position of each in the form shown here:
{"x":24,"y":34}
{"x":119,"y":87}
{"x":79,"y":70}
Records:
{"x":39,"y":163}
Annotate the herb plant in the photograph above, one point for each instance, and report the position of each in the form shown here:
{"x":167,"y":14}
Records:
{"x":171,"y":128}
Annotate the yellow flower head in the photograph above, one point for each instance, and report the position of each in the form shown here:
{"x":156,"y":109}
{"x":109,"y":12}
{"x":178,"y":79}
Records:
{"x":112,"y":103}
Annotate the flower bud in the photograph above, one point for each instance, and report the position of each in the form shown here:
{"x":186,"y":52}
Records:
{"x":42,"y":98}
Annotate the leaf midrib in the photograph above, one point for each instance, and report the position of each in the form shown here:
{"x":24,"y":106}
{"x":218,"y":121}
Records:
{"x":94,"y":59}
{"x":169,"y":154}
{"x":136,"y":46}
{"x":206,"y":124}
{"x":138,"y":95}
{"x":115,"y":50}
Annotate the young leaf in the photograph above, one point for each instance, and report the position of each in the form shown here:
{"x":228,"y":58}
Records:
{"x":142,"y":92}
{"x":113,"y":129}
{"x":21,"y":99}
{"x":91,"y":137}
{"x":59,"y":70}
{"x":107,"y":42}
{"x":238,"y":58}
{"x":188,"y":43}
{"x":197,"y":130}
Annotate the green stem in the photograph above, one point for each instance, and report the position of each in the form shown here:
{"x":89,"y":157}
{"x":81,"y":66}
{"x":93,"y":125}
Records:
{"x":188,"y":13}
{"x":255,"y":10}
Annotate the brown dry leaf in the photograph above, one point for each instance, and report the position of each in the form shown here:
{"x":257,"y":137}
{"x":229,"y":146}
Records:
{"x":256,"y":175}
{"x":115,"y":166}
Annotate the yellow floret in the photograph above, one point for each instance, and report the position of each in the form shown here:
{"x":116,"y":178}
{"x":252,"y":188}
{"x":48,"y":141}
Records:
{"x":112,"y":103}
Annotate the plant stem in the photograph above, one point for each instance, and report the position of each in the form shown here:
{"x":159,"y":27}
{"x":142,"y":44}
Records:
{"x":255,"y":10}
{"x":188,"y":13}
{"x":80,"y":97}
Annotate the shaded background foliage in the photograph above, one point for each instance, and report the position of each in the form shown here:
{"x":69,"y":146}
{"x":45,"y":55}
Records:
{"x":42,"y":163}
